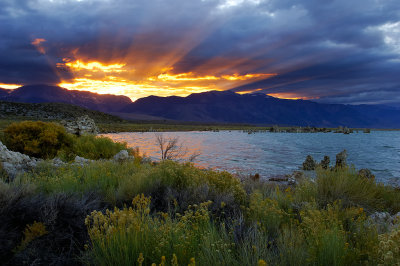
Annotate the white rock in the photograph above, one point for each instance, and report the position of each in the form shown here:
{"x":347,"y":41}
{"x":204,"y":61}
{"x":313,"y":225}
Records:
{"x":82,"y":125}
{"x":121,"y":156}
{"x":15,"y":162}
{"x":81,"y":160}
{"x":57,"y":162}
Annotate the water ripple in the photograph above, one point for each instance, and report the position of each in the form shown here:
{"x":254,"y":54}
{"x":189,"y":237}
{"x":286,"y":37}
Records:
{"x":280,"y":153}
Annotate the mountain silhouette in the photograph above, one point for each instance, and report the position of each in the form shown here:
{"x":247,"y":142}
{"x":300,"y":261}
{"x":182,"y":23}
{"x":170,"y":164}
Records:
{"x":216,"y":107}
{"x":46,"y":93}
{"x":261,"y":109}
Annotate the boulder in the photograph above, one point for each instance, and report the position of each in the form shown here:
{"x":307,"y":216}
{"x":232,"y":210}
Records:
{"x":366,"y":173}
{"x":384,"y":221}
{"x":297,"y":175}
{"x":82,"y":161}
{"x":341,"y":159}
{"x":57,"y":162}
{"x":121,"y":156}
{"x":82,"y":125}
{"x":14,"y":163}
{"x":325,"y":162}
{"x":309,"y":164}
{"x":292,"y":181}
{"x":274,"y":129}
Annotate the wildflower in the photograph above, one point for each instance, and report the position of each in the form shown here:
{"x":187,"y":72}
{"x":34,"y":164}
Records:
{"x":174,"y":261}
{"x":162,"y":261}
{"x":192,"y":262}
{"x":261,"y":263}
{"x":140,"y":259}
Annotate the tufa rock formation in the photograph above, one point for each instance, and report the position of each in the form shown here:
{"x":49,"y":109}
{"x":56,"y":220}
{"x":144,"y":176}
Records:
{"x":14,"y":162}
{"x":341,"y":158}
{"x":366,"y":173}
{"x":325,"y":162}
{"x":309,"y":164}
{"x":82,"y":125}
{"x":121,"y":156}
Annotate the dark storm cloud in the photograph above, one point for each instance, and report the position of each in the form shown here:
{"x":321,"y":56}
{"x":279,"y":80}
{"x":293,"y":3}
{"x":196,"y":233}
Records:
{"x":337,"y":51}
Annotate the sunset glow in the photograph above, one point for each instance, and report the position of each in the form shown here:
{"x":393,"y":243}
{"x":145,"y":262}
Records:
{"x":38,"y":45}
{"x":94,"y":66}
{"x":9,"y":86}
{"x":291,"y":96}
{"x":132,"y":81}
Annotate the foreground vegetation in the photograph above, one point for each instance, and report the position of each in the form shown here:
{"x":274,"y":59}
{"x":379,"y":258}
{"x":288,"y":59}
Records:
{"x":137,"y":212}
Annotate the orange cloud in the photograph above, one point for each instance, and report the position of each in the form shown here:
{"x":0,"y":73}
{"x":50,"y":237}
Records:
{"x":38,"y":44}
{"x":127,"y":79}
{"x":249,"y":91}
{"x":290,"y":96}
{"x":95,"y":66}
{"x":9,"y":86}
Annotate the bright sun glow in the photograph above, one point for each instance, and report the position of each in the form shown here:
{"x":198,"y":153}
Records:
{"x":95,"y":66}
{"x":119,"y":79}
{"x":9,"y":86}
{"x":290,"y":96}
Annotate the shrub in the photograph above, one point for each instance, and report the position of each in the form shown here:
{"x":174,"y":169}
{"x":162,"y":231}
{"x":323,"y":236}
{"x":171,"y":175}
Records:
{"x":3,"y":173}
{"x":351,"y":189}
{"x":37,"y":139}
{"x":93,"y":147}
{"x":170,"y":184}
{"x":389,"y":247}
{"x":42,"y":229}
{"x":267,"y":214}
{"x":122,"y":237}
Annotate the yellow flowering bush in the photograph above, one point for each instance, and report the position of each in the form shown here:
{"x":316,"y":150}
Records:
{"x":32,"y":231}
{"x":36,"y":138}
{"x":266,"y":213}
{"x":121,"y":235}
{"x":389,"y":248}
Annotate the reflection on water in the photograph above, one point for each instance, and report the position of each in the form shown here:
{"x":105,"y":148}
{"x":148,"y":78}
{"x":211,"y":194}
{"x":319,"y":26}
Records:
{"x":279,"y":153}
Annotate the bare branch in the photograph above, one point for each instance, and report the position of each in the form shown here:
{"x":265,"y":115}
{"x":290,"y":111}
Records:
{"x":172,"y":149}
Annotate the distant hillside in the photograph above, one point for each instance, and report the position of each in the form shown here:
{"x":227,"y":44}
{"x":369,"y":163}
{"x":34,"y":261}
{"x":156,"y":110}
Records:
{"x":215,"y":107}
{"x":52,"y":111}
{"x":229,"y":107}
{"x":3,"y":92}
{"x":45,"y":93}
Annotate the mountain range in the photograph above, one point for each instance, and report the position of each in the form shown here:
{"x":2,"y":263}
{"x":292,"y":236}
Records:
{"x":45,"y":93}
{"x":218,"y":107}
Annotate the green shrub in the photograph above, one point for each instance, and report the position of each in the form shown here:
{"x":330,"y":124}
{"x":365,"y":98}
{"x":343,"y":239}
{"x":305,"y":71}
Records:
{"x":93,"y":147}
{"x":122,"y":237}
{"x":37,"y":139}
{"x":351,"y":189}
{"x":267,"y":214}
{"x":62,"y":215}
{"x":3,"y":173}
{"x":169,"y":183}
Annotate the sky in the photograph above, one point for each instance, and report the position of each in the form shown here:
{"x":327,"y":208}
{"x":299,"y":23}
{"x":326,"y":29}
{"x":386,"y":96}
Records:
{"x":331,"y":51}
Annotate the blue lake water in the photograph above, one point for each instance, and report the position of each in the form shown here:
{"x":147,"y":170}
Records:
{"x":272,"y":154}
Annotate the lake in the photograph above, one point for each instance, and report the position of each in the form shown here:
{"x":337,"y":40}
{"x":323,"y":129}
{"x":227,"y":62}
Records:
{"x":271,"y":154}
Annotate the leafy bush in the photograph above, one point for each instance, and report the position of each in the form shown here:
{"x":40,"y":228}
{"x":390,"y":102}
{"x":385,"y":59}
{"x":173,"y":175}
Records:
{"x":351,"y":189}
{"x":170,"y":184}
{"x":3,"y":173}
{"x":37,"y":139}
{"x":42,"y":229}
{"x":121,"y":237}
{"x":92,"y":147}
{"x":389,"y":247}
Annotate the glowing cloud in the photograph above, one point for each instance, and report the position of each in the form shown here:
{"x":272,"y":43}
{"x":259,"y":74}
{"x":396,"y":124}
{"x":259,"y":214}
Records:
{"x":94,"y":66}
{"x":290,"y":96}
{"x":38,"y":45}
{"x":134,"y":82}
{"x":9,"y":86}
